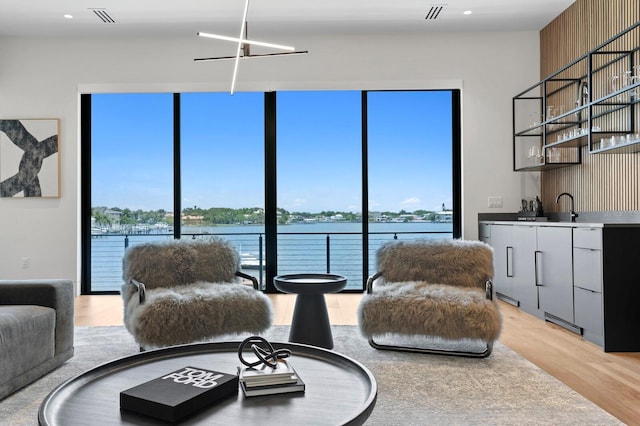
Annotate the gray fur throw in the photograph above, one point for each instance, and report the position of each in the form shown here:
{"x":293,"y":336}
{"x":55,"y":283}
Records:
{"x":192,"y":293}
{"x":185,"y":314}
{"x":434,"y":288}
{"x":418,"y":308}
{"x":453,"y":262}
{"x":179,"y":262}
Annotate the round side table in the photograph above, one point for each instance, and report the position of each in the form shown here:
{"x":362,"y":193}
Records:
{"x":310,"y":323}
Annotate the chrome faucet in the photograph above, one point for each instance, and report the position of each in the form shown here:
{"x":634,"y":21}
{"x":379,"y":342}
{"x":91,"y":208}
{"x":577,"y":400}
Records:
{"x":572,"y":212}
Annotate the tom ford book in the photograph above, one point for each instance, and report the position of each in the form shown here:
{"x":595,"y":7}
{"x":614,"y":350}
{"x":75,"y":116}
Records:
{"x":180,"y":393}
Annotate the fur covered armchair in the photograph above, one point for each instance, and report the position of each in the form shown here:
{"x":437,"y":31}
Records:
{"x":183,"y":291}
{"x":437,"y":292}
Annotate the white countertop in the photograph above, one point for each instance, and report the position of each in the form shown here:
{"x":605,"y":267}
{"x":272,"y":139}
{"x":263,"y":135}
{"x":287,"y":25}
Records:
{"x":560,"y":224}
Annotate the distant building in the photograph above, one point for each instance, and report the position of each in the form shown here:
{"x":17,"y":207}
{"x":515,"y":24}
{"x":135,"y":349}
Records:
{"x":112,"y":215}
{"x":444,"y":216}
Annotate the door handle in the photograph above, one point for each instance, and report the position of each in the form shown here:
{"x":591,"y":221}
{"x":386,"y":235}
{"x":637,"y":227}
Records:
{"x":537,"y":255}
{"x":509,"y":261}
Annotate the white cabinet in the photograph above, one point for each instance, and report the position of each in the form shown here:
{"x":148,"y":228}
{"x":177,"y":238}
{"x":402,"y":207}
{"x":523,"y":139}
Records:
{"x":581,"y":277}
{"x":524,"y":283}
{"x":587,"y":283}
{"x":501,"y":241}
{"x":554,"y":272}
{"x":533,"y":268}
{"x":606,"y":290}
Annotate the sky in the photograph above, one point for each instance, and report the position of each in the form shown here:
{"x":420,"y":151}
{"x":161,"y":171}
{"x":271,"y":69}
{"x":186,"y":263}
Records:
{"x":318,"y":150}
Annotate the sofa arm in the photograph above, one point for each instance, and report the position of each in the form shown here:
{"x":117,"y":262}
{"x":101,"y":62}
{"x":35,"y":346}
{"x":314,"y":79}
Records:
{"x":57,"y":294}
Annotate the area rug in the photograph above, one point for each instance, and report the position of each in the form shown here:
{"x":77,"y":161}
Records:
{"x":413,"y":389}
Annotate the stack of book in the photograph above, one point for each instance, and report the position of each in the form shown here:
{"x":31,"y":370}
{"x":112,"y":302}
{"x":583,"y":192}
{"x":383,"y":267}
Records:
{"x":265,"y":380}
{"x":180,"y":393}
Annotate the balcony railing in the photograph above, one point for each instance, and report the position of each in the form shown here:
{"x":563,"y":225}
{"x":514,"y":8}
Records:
{"x":298,"y":252}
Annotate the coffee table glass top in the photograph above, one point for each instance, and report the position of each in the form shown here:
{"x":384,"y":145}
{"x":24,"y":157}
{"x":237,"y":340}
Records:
{"x":339,"y":390}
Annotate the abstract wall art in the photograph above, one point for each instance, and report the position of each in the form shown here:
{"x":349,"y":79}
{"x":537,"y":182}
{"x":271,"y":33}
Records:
{"x":30,"y":158}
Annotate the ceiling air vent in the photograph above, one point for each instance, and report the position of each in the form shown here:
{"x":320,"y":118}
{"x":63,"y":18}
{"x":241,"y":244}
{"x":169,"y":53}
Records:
{"x":104,"y":16}
{"x":434,"y":12}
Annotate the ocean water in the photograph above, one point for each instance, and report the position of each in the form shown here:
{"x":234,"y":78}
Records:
{"x":334,"y":247}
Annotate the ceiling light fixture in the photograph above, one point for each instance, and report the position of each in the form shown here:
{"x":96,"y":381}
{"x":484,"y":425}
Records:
{"x":243,"y":28}
{"x":468,"y":12}
{"x":244,"y":46}
{"x":68,"y":16}
{"x":242,"y":40}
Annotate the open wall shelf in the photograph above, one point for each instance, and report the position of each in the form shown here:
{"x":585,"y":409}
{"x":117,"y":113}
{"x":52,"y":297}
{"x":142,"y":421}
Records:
{"x":592,"y":101}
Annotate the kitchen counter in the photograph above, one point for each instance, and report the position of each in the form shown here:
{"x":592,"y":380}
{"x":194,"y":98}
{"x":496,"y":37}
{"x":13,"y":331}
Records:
{"x":579,"y":275}
{"x":561,"y":224}
{"x":585,"y":219}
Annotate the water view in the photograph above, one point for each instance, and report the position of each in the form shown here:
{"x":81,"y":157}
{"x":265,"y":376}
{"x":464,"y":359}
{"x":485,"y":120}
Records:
{"x":302,"y":248}
{"x":343,"y":157}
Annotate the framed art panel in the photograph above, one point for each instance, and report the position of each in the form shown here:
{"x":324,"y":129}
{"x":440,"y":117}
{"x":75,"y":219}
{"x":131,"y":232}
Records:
{"x":30,"y":158}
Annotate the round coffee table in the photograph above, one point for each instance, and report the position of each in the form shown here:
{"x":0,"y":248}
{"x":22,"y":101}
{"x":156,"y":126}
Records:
{"x":310,"y":323}
{"x":339,"y":390}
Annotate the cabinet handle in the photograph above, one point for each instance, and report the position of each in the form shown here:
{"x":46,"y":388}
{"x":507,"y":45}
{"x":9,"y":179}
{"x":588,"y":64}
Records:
{"x":509,"y":261}
{"x":536,"y":255}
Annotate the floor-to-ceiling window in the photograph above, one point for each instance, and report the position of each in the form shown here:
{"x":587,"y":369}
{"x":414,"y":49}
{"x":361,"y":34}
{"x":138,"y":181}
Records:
{"x":131,"y":177}
{"x":410,"y":166}
{"x":319,"y":163}
{"x":344,"y":172}
{"x":222,"y":171}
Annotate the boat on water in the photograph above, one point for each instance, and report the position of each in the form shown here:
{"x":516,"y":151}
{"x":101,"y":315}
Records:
{"x":249,"y":261}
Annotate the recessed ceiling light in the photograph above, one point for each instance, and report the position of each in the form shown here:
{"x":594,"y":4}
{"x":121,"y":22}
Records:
{"x":468,"y":12}
{"x":68,"y":16}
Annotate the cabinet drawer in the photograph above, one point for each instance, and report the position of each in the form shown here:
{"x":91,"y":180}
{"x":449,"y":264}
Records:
{"x":485,"y":231}
{"x":587,"y":268}
{"x":588,"y":311}
{"x":587,"y":238}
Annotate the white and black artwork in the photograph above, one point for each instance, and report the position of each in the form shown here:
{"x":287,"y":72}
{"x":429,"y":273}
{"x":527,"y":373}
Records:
{"x":30,"y":158}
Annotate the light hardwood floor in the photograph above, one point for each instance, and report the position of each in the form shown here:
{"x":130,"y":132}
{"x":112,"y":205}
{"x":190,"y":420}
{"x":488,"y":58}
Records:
{"x":610,"y":380}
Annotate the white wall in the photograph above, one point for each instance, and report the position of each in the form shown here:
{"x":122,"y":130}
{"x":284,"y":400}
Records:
{"x":44,"y":77}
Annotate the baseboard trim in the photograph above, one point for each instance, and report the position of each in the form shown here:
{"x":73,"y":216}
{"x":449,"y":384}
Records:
{"x":562,"y":323}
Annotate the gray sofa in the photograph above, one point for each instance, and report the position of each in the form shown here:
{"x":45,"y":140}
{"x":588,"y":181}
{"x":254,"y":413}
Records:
{"x":36,"y":330}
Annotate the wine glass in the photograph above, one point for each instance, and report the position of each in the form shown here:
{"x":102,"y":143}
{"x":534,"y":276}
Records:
{"x":635,"y":78}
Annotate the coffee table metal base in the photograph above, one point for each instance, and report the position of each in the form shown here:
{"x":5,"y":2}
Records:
{"x":310,"y":323}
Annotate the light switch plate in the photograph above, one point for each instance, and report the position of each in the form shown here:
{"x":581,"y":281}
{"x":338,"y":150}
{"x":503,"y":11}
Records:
{"x":495,"y":202}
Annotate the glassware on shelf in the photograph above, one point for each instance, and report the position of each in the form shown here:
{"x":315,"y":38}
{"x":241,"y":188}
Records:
{"x":614,"y":83}
{"x":536,"y":119}
{"x":607,"y":142}
{"x":628,"y":79}
{"x":635,"y":78}
{"x":551,"y":114}
{"x":550,"y":110}
{"x":553,"y":155}
{"x":533,"y":154}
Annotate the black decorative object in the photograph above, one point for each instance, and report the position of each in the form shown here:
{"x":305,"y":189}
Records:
{"x":268,"y":356}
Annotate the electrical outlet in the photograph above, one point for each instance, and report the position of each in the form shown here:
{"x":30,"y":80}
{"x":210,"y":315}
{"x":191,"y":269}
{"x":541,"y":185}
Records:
{"x":495,"y":202}
{"x":26,"y":262}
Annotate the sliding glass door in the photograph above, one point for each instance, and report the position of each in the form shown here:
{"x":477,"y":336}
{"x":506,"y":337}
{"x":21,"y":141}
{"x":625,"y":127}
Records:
{"x":222,"y":171}
{"x":301,"y":182}
{"x":319,"y":163}
{"x":410,"y":166}
{"x":131,"y":178}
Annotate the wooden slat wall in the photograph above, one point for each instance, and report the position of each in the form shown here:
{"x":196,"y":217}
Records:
{"x":603,"y":182}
